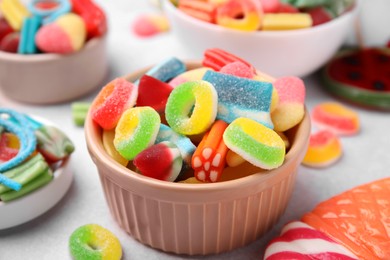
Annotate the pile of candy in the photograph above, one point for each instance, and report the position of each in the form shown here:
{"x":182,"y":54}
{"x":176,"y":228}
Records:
{"x":197,"y":123}
{"x":29,"y":153}
{"x":267,"y":15}
{"x":54,"y":26}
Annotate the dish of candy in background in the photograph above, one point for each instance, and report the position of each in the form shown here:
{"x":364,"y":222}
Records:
{"x":306,"y":50}
{"x":44,"y":42}
{"x":191,"y":217}
{"x":35,"y":172}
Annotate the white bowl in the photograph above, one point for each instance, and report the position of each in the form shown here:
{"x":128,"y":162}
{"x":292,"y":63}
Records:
{"x":279,"y":53}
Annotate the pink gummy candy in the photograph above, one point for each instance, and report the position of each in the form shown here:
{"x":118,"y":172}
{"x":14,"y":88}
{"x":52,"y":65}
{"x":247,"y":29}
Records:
{"x":149,"y":25}
{"x":53,"y":39}
{"x":238,"y":69}
{"x":270,"y":6}
{"x":161,"y":161}
{"x":153,"y":92}
{"x":112,"y":100}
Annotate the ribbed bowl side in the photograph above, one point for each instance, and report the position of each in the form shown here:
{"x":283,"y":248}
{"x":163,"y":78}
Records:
{"x":197,"y":228}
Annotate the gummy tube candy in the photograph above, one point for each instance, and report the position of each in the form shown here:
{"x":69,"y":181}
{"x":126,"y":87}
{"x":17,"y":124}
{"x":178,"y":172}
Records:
{"x":27,"y":35}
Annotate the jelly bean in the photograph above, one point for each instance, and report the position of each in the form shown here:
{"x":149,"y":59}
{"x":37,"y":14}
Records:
{"x":108,"y":144}
{"x":216,"y":59}
{"x":291,"y":108}
{"x":10,"y":43}
{"x":201,"y":10}
{"x":93,"y":16}
{"x":150,"y":24}
{"x":153,"y":92}
{"x":66,"y":35}
{"x":324,"y":150}
{"x":14,"y":12}
{"x":240,"y":97}
{"x":249,"y":12}
{"x":190,"y":75}
{"x":112,"y":100}
{"x":137,"y":129}
{"x":27,"y":35}
{"x":192,"y":107}
{"x":183,"y":143}
{"x":336,"y":118}
{"x":282,"y":21}
{"x":259,"y":145}
{"x":161,"y":161}
{"x":209,"y":158}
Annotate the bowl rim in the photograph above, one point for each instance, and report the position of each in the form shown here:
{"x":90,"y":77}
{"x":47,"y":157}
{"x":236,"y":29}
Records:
{"x":43,"y":57}
{"x":171,"y":9}
{"x":95,"y":147}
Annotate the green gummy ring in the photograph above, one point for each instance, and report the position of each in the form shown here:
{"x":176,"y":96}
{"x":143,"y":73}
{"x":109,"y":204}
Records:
{"x":353,"y":94}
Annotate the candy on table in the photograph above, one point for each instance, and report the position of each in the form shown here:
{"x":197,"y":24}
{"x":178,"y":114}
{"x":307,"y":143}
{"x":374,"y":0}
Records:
{"x":291,"y":105}
{"x":238,"y":69}
{"x":249,"y":12}
{"x":65,"y":35}
{"x":209,"y":160}
{"x":217,"y":58}
{"x":335,"y":117}
{"x":324,"y":149}
{"x":298,"y":240}
{"x":10,"y":43}
{"x":79,"y":112}
{"x":14,"y":12}
{"x":153,"y":92}
{"x":183,"y":143}
{"x":108,"y":144}
{"x":190,"y":75}
{"x":27,"y":35}
{"x":358,"y":219}
{"x":241,"y":97}
{"x":92,"y":241}
{"x":256,"y":143}
{"x":201,"y":10}
{"x":192,"y":107}
{"x":136,"y":130}
{"x":147,"y":25}
{"x":162,"y":161}
{"x":166,"y":70}
{"x":112,"y":100}
{"x":94,"y":17}
{"x":49,"y":11}
{"x":282,"y":21}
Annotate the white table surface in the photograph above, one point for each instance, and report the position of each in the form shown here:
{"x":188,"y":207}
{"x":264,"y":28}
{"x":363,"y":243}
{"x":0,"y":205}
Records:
{"x":366,"y":157}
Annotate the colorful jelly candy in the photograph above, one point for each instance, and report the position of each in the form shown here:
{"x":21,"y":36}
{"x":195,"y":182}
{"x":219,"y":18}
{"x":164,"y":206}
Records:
{"x":291,"y":107}
{"x":282,"y":21}
{"x":167,"y":69}
{"x":238,"y":69}
{"x":108,"y":144}
{"x":5,"y":28}
{"x":217,"y":58}
{"x":201,"y":10}
{"x":150,"y":24}
{"x":10,"y":43}
{"x":14,"y":12}
{"x":65,"y":35}
{"x":136,"y":130}
{"x":112,"y":100}
{"x":256,"y":143}
{"x":190,"y":75}
{"x":48,"y":11}
{"x":336,"y":118}
{"x":27,"y":35}
{"x":240,"y":97}
{"x":192,"y":107}
{"x":161,"y":161}
{"x":7,"y":152}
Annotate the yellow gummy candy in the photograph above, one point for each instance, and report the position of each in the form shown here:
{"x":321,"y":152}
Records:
{"x":14,"y":12}
{"x":282,"y":21}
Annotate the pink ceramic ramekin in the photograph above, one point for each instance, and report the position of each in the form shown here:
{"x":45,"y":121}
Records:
{"x":197,"y":218}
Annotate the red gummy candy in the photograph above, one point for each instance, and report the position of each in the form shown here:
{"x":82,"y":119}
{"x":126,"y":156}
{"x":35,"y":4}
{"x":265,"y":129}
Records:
{"x":216,"y":59}
{"x":319,"y":15}
{"x":5,"y":28}
{"x":287,"y":8}
{"x":153,"y":92}
{"x":6,"y":153}
{"x":10,"y":42}
{"x":270,"y":6}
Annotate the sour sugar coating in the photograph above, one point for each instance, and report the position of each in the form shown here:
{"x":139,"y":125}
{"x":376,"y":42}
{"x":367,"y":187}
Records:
{"x":300,"y":241}
{"x":324,"y":149}
{"x":153,"y":92}
{"x":240,"y":97}
{"x":65,"y":35}
{"x":217,"y":58}
{"x":202,"y":10}
{"x":238,"y":69}
{"x":161,"y":161}
{"x":291,"y":105}
{"x":283,"y":21}
{"x":209,"y":158}
{"x":108,"y":144}
{"x":190,"y":75}
{"x":192,"y":107}
{"x":167,"y":69}
{"x":183,"y":143}
{"x":94,"y":242}
{"x":27,"y":35}
{"x":336,"y":118}
{"x":112,"y":100}
{"x":137,"y":129}
{"x":249,"y":11}
{"x":150,"y":24}
{"x":256,"y":143}
{"x":14,"y":12}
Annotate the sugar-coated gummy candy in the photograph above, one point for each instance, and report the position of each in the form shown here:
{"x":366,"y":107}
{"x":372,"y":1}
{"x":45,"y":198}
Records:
{"x":190,"y":75}
{"x":137,"y":129}
{"x":238,"y":69}
{"x":167,"y":69}
{"x":216,"y":58}
{"x":192,"y":107}
{"x":162,"y":161}
{"x":14,"y":12}
{"x":112,"y":100}
{"x":108,"y":144}
{"x":94,"y":242}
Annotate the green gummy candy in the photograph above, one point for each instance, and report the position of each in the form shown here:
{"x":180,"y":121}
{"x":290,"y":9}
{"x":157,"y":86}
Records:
{"x":79,"y":112}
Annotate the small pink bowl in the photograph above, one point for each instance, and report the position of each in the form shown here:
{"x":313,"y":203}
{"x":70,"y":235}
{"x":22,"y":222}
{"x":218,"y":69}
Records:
{"x":52,"y":78}
{"x":197,"y":219}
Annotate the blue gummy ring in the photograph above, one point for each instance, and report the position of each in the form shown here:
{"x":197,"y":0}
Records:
{"x":52,"y":14}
